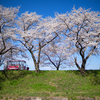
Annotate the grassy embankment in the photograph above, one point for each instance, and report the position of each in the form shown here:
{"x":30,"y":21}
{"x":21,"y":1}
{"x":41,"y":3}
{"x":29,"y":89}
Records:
{"x":50,"y":84}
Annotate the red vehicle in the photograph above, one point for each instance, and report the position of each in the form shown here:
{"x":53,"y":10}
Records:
{"x":15,"y":65}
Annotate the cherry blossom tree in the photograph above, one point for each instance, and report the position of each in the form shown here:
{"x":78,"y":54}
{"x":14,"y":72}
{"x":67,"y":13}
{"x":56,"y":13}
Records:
{"x":56,"y":54}
{"x":35,"y":33}
{"x":82,"y":30}
{"x":7,"y":30}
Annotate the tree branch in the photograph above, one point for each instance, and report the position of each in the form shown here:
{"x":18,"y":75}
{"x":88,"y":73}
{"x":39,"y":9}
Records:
{"x":50,"y":60}
{"x":77,"y":64}
{"x":39,"y":52}
{"x":4,"y":46}
{"x":90,"y":53}
{"x":7,"y":50}
{"x":49,"y":41}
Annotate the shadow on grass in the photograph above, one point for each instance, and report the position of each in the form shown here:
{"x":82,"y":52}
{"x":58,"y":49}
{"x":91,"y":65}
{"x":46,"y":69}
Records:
{"x":2,"y":79}
{"x":16,"y":74}
{"x":88,"y":72}
{"x":12,"y":75}
{"x":94,"y":75}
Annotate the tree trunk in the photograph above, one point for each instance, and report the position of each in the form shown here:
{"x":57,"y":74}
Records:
{"x":82,"y":68}
{"x":37,"y":68}
{"x":57,"y":68}
{"x":35,"y":62}
{"x":82,"y":71}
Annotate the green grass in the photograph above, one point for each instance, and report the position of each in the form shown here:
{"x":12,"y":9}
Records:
{"x":50,"y":84}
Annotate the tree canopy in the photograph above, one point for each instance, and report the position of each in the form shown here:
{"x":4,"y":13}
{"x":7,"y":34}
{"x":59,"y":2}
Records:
{"x":65,"y":35}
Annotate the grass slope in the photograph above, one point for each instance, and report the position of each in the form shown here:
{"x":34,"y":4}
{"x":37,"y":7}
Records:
{"x":50,"y":84}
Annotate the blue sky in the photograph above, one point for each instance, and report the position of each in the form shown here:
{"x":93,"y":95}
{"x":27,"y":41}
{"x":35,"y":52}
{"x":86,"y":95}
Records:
{"x":48,"y":8}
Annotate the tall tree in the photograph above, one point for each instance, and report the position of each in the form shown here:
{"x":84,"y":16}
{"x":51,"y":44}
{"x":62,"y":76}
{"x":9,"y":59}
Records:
{"x":7,"y":29}
{"x":82,"y":30}
{"x":35,"y":33}
{"x":56,"y":54}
